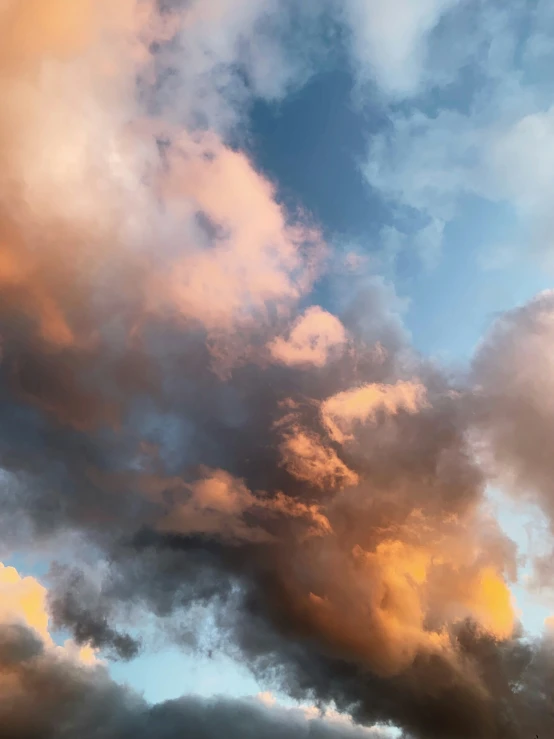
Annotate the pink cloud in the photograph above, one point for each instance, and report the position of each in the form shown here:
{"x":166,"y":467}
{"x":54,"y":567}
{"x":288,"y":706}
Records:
{"x":342,"y":412}
{"x":314,"y":338}
{"x":254,"y":255}
{"x":307,"y":458}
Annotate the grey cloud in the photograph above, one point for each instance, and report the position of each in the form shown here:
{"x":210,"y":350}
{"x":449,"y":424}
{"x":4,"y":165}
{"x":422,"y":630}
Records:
{"x":513,"y":374}
{"x":69,"y":700}
{"x":80,"y":609}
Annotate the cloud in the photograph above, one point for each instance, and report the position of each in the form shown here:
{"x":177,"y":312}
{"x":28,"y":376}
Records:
{"x":251,"y":256}
{"x":308,"y":458}
{"x":69,"y":699}
{"x":389,"y":40}
{"x":220,"y":506}
{"x":425,"y":243}
{"x":313,"y":339}
{"x":513,"y":371}
{"x":343,"y":411}
{"x":80,"y":610}
{"x":70,"y":693}
{"x":226,"y":53}
{"x":500,"y":154}
{"x":24,"y":612}
{"x":23,"y":598}
{"x":491,"y":140}
{"x":326,"y":505}
{"x":109,"y":214}
{"x":82,"y":698}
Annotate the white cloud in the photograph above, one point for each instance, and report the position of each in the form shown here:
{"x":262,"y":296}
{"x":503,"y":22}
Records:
{"x":228,"y":51}
{"x":490,"y":135}
{"x":502,"y":152}
{"x":521,"y":159}
{"x":330,"y":716}
{"x":389,"y":39}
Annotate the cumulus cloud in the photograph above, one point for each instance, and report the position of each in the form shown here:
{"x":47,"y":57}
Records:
{"x":313,"y":339}
{"x":308,"y":458}
{"x":70,"y":693}
{"x":70,"y":700}
{"x":251,"y":257}
{"x":222,"y":506}
{"x":341,"y":412}
{"x":513,"y":371}
{"x":165,"y":394}
{"x":24,"y":614}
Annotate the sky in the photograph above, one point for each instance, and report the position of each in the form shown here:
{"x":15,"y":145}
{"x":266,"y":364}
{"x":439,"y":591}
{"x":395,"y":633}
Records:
{"x":276,"y":369}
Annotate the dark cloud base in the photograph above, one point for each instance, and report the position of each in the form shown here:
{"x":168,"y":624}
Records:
{"x":70,"y":701}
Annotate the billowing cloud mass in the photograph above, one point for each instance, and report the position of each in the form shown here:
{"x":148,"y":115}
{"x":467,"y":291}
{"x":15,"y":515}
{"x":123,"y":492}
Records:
{"x":167,"y":396}
{"x":50,"y":691}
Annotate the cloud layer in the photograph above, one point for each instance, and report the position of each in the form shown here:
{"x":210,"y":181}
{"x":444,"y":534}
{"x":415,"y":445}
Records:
{"x":173,"y":393}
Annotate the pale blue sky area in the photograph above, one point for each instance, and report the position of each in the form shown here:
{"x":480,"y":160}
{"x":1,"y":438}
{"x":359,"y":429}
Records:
{"x":169,"y":673}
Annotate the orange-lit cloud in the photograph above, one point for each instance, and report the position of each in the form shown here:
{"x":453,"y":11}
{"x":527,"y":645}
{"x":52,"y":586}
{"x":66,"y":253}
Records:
{"x":383,"y":607}
{"x":217,"y":505}
{"x":342,"y":412}
{"x":252,"y":256}
{"x":23,"y":602}
{"x":307,"y":458}
{"x":491,"y":604}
